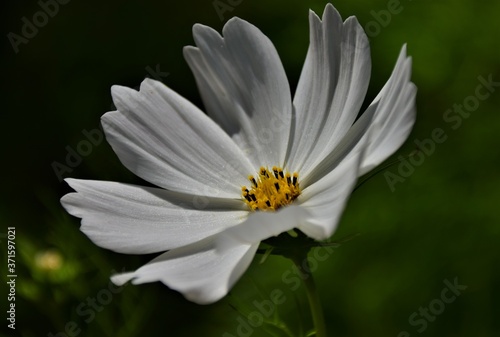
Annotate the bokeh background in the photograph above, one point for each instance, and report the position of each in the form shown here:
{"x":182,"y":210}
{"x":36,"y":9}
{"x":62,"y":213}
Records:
{"x":439,"y":223}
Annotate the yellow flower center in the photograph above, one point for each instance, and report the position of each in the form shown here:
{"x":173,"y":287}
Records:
{"x":271,"y":189}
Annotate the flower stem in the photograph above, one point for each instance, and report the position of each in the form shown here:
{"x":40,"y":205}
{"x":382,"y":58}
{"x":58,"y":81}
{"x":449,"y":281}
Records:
{"x":312,"y":295}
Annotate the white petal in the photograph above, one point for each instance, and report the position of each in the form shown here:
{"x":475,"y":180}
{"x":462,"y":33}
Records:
{"x":244,"y":88}
{"x":394,"y":116}
{"x":353,"y":143}
{"x":140,"y":220}
{"x":198,"y":271}
{"x":331,"y":89}
{"x":262,"y":225}
{"x":167,"y":141}
{"x":382,"y":128}
{"x":325,"y":200}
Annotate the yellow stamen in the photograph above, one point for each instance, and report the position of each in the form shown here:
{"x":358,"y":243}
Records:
{"x":271,"y":189}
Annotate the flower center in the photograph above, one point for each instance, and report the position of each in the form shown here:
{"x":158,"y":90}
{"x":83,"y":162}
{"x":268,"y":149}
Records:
{"x":271,"y":190}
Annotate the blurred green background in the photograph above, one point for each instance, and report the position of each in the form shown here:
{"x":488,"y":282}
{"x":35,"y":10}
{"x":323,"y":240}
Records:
{"x":441,"y":224}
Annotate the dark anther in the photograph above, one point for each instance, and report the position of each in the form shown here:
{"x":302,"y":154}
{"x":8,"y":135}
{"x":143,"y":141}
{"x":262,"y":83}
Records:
{"x":277,"y":186}
{"x":253,"y":197}
{"x":268,"y":203}
{"x":281,"y":174}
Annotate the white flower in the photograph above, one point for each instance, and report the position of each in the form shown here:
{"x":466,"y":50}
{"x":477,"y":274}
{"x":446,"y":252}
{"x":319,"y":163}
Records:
{"x":207,"y":214}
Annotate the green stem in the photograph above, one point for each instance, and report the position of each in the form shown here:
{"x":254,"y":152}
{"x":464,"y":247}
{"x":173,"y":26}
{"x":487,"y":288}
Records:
{"x":312,"y":295}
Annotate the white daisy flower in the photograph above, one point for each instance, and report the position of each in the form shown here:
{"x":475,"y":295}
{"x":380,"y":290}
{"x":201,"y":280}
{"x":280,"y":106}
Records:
{"x":260,"y":165}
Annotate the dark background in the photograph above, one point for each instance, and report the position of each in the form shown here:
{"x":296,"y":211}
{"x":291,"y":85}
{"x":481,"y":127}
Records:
{"x":438,"y":224}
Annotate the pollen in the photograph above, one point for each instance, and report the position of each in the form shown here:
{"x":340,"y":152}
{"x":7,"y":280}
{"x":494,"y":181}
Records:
{"x":270,"y":190}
